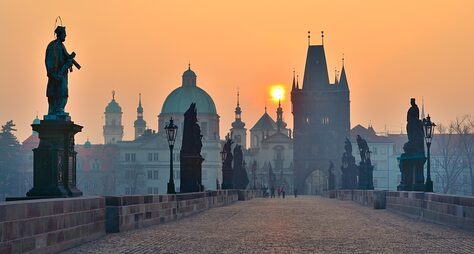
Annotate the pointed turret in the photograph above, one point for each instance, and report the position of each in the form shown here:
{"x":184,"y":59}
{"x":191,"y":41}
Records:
{"x":139,"y":124}
{"x":316,"y":71}
{"x":238,"y":130}
{"x":343,"y":80}
{"x":297,"y":82}
{"x":422,"y":108}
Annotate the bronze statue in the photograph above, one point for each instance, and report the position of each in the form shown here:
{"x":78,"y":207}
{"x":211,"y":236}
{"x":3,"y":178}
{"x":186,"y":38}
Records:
{"x":240,"y":178}
{"x":413,"y":159}
{"x":348,"y":168}
{"x":58,"y":64}
{"x":366,"y":168}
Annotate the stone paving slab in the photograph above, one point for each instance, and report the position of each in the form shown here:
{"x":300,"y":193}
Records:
{"x":305,"y":224}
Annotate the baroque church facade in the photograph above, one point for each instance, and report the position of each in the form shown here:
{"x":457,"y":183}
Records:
{"x":143,"y":163}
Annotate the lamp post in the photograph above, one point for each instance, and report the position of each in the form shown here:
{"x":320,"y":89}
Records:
{"x":429,"y":129}
{"x":171,"y":131}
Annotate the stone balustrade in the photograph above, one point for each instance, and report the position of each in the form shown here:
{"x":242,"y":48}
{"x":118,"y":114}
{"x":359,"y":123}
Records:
{"x":439,"y":208}
{"x":53,"y":225}
{"x":50,"y":225}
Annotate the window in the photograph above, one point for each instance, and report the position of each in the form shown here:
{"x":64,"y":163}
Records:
{"x":155,"y":190}
{"x":155,"y":174}
{"x":127,"y":157}
{"x":150,"y":190}
{"x":133,"y":157}
{"x":95,"y":164}
{"x":325,"y":120}
{"x":127,"y":191}
{"x":150,"y":174}
{"x":150,"y":156}
{"x":155,"y":156}
{"x":256,"y":140}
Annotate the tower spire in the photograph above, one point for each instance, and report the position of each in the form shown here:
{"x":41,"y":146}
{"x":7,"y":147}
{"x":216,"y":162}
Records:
{"x":297,"y":82}
{"x":113,"y":94}
{"x":140,"y":99}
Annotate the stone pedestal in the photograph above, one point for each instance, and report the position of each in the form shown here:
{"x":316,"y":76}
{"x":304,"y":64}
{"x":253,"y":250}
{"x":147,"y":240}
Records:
{"x":411,"y":168}
{"x":191,"y":173}
{"x":227,"y":178}
{"x":366,"y":179}
{"x":54,"y":161}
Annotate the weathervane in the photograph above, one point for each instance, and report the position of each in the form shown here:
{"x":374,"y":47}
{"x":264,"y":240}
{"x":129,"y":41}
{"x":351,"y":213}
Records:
{"x":322,"y":37}
{"x":309,"y":38}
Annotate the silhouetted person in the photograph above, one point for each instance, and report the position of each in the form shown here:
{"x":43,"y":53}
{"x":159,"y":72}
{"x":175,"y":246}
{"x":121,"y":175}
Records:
{"x":296,"y":192}
{"x":272,"y":192}
{"x":283,"y":191}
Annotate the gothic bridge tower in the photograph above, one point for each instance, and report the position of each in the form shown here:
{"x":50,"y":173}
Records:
{"x":321,"y":115}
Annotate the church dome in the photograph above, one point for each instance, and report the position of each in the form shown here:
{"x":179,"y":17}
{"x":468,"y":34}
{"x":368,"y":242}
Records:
{"x":113,"y":106}
{"x":179,"y":100}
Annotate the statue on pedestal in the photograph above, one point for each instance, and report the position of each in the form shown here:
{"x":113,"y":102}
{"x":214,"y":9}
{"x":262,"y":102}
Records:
{"x":227,"y":171}
{"x":54,"y":160}
{"x":349,"y":168}
{"x":190,"y":155}
{"x":412,"y":161}
{"x":366,"y":168}
{"x":240,"y":178}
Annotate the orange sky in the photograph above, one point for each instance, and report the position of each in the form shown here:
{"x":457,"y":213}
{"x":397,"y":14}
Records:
{"x":393,"y":51}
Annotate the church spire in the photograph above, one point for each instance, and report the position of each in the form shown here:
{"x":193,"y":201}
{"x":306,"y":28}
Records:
{"x":139,"y":124}
{"x":279,"y":121}
{"x":297,"y":82}
{"x":343,"y":77}
{"x":238,"y":110}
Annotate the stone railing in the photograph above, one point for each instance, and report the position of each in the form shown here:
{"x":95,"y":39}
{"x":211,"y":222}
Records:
{"x":132,"y":212}
{"x":53,"y":225}
{"x":375,"y":199}
{"x":440,"y":208}
{"x":50,"y":225}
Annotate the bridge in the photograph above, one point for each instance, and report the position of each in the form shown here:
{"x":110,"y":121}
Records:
{"x":216,"y":222}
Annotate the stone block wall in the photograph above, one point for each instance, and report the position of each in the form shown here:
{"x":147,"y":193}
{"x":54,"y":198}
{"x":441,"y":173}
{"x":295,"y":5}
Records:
{"x":372,"y":198}
{"x":407,"y":202}
{"x":440,"y":208}
{"x":132,"y":212}
{"x":50,"y":225}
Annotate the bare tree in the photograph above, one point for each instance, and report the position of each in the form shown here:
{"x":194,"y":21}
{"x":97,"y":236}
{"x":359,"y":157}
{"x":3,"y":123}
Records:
{"x":448,"y":157}
{"x":464,"y":128}
{"x":132,"y":177}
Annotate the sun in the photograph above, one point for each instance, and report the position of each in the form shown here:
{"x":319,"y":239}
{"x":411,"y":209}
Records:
{"x":277,"y":92}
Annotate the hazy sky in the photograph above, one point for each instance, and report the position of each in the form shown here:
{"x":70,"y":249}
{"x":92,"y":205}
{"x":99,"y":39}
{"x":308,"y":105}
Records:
{"x":393,"y":51}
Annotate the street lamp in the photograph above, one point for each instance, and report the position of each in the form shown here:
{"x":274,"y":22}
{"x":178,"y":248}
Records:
{"x":429,"y":129}
{"x":171,"y":132}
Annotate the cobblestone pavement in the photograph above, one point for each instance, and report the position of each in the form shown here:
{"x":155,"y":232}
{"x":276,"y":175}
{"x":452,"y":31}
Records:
{"x":291,"y":225}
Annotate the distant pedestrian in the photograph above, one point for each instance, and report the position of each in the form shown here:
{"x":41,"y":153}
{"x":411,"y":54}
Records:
{"x":283,"y":191}
{"x":272,"y":192}
{"x":279,"y":191}
{"x":296,"y":192}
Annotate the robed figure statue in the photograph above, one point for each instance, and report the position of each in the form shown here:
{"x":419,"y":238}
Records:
{"x":412,"y":161}
{"x":58,"y":64}
{"x":349,"y":168}
{"x":190,"y":155}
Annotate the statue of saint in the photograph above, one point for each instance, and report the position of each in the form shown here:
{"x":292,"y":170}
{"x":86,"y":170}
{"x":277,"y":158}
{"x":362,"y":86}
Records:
{"x":413,"y":116}
{"x":363,"y":149}
{"x":58,"y":64}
